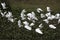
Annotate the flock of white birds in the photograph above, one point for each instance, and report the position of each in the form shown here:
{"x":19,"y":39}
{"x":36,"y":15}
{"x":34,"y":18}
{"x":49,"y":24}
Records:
{"x":31,"y":17}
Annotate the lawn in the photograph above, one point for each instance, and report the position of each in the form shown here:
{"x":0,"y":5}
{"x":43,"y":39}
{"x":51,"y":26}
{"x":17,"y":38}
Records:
{"x":33,"y":4}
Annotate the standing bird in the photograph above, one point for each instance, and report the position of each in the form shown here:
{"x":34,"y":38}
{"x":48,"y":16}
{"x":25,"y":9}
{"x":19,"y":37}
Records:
{"x":22,"y":14}
{"x":48,"y":9}
{"x":3,"y":5}
{"x":39,"y":10}
{"x":19,"y":23}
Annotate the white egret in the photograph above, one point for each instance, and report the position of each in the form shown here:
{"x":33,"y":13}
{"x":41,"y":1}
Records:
{"x":32,"y":24}
{"x":52,"y":26}
{"x":39,"y":10}
{"x":11,"y":19}
{"x":57,"y":16}
{"x":40,"y":26}
{"x":38,"y":31}
{"x":3,"y":5}
{"x":19,"y":23}
{"x":46,"y":21}
{"x":9,"y":14}
{"x":51,"y":17}
{"x":48,"y":14}
{"x":32,"y":16}
{"x":58,"y":21}
{"x":22,"y":14}
{"x":26,"y":25}
{"x":42,"y":15}
{"x":48,"y":9}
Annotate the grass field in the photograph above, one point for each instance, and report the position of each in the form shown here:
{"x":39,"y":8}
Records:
{"x":33,"y":4}
{"x":11,"y":31}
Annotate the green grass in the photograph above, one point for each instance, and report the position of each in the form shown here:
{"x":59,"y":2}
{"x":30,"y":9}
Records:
{"x":33,"y":4}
